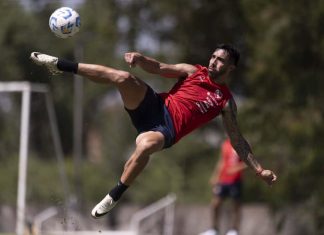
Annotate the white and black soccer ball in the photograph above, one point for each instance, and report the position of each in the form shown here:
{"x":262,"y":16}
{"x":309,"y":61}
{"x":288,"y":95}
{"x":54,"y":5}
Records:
{"x":64,"y":22}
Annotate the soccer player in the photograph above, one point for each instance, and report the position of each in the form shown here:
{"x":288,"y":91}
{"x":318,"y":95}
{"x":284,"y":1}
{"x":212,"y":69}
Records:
{"x":162,"y":119}
{"x":226,"y":181}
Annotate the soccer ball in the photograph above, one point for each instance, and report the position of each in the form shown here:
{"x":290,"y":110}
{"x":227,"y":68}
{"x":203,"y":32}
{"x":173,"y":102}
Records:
{"x":64,"y":22}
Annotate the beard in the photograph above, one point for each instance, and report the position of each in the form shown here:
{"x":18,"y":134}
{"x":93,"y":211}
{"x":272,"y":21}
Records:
{"x":215,"y":74}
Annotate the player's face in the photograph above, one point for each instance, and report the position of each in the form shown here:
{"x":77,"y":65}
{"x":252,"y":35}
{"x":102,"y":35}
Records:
{"x":219,"y":63}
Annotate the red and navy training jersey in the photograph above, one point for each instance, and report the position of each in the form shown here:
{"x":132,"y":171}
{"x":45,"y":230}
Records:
{"x":194,"y":101}
{"x":230,"y":160}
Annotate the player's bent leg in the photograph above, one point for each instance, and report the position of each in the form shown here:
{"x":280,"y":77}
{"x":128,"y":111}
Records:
{"x":146,"y":144}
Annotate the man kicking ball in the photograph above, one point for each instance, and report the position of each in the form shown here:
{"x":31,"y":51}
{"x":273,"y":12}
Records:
{"x":162,"y":119}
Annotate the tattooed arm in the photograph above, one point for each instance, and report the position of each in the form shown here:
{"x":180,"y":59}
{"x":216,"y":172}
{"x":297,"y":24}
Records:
{"x":240,"y":145}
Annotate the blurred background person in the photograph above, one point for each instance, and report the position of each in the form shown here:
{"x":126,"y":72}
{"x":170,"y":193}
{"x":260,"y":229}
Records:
{"x":226,"y":181}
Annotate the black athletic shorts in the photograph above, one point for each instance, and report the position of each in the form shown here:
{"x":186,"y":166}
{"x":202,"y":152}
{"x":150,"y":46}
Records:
{"x":152,"y":115}
{"x":228,"y":190}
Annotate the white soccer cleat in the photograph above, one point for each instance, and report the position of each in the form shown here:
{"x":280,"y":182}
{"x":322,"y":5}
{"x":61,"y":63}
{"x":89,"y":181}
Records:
{"x":232,"y":232}
{"x":103,"y":207}
{"x":49,"y":61}
{"x":209,"y":232}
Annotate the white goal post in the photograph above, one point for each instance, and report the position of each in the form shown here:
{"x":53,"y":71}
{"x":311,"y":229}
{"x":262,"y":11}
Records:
{"x":167,"y":204}
{"x":27,"y":88}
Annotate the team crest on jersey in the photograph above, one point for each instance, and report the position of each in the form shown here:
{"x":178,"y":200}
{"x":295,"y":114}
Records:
{"x":218,"y":94}
{"x":212,"y":100}
{"x":201,"y":77}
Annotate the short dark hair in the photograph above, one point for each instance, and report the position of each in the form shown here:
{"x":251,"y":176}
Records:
{"x":231,"y":50}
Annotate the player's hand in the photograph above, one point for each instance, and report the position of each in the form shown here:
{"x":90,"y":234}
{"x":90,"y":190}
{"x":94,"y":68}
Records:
{"x":132,"y":58}
{"x":268,"y":176}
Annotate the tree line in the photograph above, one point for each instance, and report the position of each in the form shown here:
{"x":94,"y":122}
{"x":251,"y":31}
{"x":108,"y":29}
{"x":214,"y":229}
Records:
{"x":279,"y":78}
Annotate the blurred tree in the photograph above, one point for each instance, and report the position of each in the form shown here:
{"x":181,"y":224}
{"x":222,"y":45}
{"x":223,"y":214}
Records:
{"x":280,"y":74}
{"x":285,"y":79}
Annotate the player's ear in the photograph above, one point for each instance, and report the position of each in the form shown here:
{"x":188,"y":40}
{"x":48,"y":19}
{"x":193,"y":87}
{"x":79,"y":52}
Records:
{"x":232,"y":67}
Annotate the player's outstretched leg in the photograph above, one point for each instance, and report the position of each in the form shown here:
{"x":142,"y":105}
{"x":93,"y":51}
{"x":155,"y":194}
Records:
{"x":131,"y":88}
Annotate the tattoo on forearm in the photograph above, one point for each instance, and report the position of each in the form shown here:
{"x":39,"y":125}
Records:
{"x":252,"y":162}
{"x":238,"y":141}
{"x":244,"y":151}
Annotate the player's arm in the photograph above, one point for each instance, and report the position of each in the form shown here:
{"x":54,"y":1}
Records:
{"x":240,"y":145}
{"x":153,"y":66}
